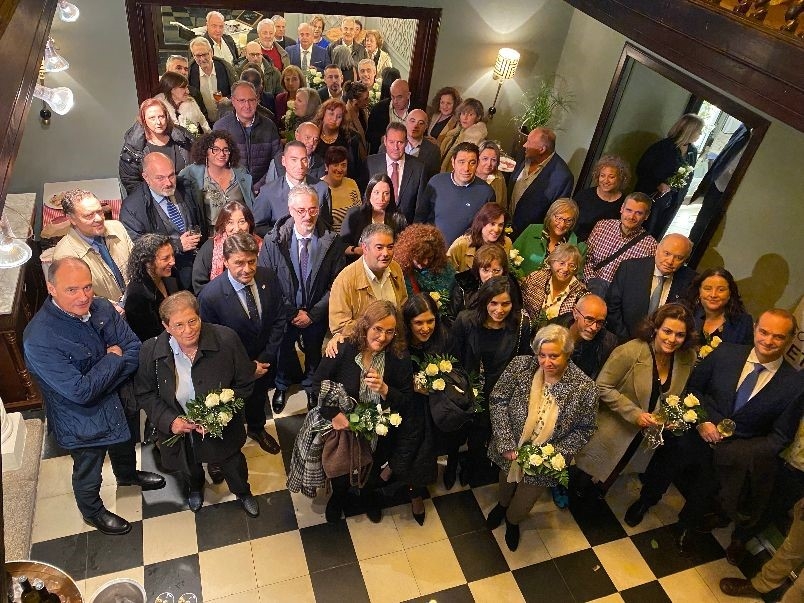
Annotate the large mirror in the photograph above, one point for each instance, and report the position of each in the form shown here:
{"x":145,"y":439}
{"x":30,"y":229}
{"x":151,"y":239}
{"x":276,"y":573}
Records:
{"x":160,"y":29}
{"x":646,"y":98}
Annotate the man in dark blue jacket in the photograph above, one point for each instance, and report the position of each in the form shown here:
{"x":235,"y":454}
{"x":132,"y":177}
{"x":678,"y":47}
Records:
{"x":248,"y":300}
{"x":306,"y":257}
{"x":81,"y":351}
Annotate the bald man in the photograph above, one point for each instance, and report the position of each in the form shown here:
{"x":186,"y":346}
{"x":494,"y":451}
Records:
{"x":587,"y":326}
{"x":394,"y":109}
{"x":642,"y":285}
{"x":306,"y":54}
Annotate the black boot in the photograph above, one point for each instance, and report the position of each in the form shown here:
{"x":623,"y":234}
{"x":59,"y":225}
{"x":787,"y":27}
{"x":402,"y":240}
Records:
{"x":496,"y":515}
{"x":511,"y":535}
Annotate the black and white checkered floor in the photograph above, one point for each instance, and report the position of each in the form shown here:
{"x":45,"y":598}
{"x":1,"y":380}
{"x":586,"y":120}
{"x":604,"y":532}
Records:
{"x":290,"y":553}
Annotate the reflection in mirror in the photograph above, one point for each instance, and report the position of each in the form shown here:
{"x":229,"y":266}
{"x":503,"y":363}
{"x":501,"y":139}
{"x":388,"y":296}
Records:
{"x":686,"y":144}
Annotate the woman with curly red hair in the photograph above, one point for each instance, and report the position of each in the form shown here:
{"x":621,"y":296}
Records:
{"x":421,"y":252}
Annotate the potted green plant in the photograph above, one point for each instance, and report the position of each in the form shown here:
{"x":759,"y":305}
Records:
{"x":542,"y":104}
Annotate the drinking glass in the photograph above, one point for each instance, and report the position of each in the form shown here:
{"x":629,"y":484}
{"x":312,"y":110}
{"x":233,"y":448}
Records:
{"x":726,"y":428}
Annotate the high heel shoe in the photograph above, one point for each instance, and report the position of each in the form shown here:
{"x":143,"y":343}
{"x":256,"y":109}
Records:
{"x":416,"y":501}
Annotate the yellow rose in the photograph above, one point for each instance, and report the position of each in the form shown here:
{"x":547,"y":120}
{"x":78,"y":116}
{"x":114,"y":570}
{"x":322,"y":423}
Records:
{"x":439,"y":385}
{"x":690,"y":416}
{"x":691,"y":401}
{"x":212,"y":400}
{"x":394,"y":419}
{"x":716,"y":341}
{"x":548,"y":449}
{"x":381,"y":429}
{"x":673,"y":400}
{"x":558,"y":462}
{"x":705,"y":351}
{"x":508,"y":230}
{"x":226,"y":395}
{"x":534,"y":460}
{"x":445,"y":366}
{"x":435,"y":295}
{"x":224,"y":417}
{"x":431,"y":370}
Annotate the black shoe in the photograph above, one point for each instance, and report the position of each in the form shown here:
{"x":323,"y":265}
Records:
{"x":374,"y":513}
{"x":250,"y":505}
{"x":683,"y":544}
{"x":195,"y":500}
{"x":334,"y":510}
{"x":511,"y":535}
{"x":636,"y":513}
{"x":265,"y":440}
{"x":739,"y":587}
{"x":109,"y":523}
{"x":712,"y":521}
{"x":310,"y":401}
{"x":145,"y":480}
{"x":450,"y":472}
{"x":496,"y":516}
{"x":464,"y":474}
{"x":215,"y":473}
{"x":279,"y":401}
{"x":736,"y":553}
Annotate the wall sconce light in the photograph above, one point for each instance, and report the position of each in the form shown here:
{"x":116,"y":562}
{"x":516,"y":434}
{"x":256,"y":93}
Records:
{"x":53,"y":60}
{"x":60,"y":99}
{"x":68,"y":12}
{"x":504,"y":69}
{"x":13,"y":251}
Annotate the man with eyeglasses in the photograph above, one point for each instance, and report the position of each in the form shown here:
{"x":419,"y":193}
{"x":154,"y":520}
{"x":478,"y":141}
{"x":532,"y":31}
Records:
{"x":271,"y":76}
{"x":256,"y":136}
{"x":212,"y":76}
{"x":168,"y":205}
{"x":306,"y":256}
{"x":587,"y":326}
{"x":271,"y":204}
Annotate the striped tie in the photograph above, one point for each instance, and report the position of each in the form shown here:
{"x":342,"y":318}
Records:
{"x":175,"y":215}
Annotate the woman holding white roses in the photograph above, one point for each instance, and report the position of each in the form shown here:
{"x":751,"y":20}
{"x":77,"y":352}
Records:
{"x":718,"y":311}
{"x":191,"y":359}
{"x":544,"y":400}
{"x":373,"y":366}
{"x":292,"y":80}
{"x":637,"y":374}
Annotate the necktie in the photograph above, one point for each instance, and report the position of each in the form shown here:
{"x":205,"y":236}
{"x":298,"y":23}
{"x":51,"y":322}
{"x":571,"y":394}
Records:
{"x":747,"y":386}
{"x":251,"y":305}
{"x":656,"y":296}
{"x":175,"y":215}
{"x":305,"y":65}
{"x":107,"y":259}
{"x":395,"y":179}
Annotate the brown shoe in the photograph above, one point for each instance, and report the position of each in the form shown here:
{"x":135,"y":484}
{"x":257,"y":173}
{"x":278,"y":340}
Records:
{"x":735,"y":553}
{"x":739,"y":587}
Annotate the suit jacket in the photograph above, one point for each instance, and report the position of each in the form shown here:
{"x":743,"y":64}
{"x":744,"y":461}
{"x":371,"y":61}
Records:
{"x":285,"y":42}
{"x":224,"y":73}
{"x":629,"y":295}
{"x":553,"y":182}
{"x":414,"y":181}
{"x":318,"y":56}
{"x":315,"y":170}
{"x":271,"y":203}
{"x":378,"y":121}
{"x":430,"y":156}
{"x":323,"y":94}
{"x":229,"y":41}
{"x":220,"y":305}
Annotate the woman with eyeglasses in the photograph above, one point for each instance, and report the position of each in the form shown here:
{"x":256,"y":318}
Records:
{"x":216,"y":173}
{"x":373,"y":367}
{"x":553,"y":290}
{"x":637,"y":374}
{"x":538,"y":241}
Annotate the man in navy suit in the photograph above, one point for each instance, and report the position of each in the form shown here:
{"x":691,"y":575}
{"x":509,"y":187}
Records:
{"x":763,"y":396}
{"x":306,"y":54}
{"x":271,"y":203}
{"x":405,"y":171}
{"x":641,"y":285}
{"x":538,"y":180}
{"x":248,"y":300}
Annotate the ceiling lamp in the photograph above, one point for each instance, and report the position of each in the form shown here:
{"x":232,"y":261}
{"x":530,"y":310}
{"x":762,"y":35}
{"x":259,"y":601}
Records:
{"x":59,"y":99}
{"x":68,"y":12}
{"x":53,"y":60}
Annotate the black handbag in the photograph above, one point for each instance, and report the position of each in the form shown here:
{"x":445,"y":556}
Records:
{"x":453,"y":407}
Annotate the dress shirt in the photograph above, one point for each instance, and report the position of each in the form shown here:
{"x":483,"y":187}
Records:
{"x":161,"y":201}
{"x":389,"y":165}
{"x":525,"y":178}
{"x":413,"y":150}
{"x":208,"y":85}
{"x":241,"y":294}
{"x":185,"y":390}
{"x":222,"y":51}
{"x":764,"y":377}
{"x":382,"y":287}
{"x":393,"y":117}
{"x":605,"y":239}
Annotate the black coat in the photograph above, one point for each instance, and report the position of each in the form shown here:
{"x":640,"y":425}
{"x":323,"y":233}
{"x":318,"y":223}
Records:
{"x":414,"y":181}
{"x":134,"y":150}
{"x":142,"y":306}
{"x":220,"y":305}
{"x":221,"y":362}
{"x":275,"y":254}
{"x":553,"y":182}
{"x":356,"y":219}
{"x":378,"y":120}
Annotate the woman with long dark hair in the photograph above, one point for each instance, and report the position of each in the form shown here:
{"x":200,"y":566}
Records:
{"x":488,"y":227}
{"x":150,"y":282}
{"x":174,"y":92}
{"x":718,"y":310}
{"x":378,"y":206}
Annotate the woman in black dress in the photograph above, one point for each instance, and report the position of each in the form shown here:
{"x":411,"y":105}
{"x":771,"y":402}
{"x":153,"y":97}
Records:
{"x":602,"y":200}
{"x":378,"y":206}
{"x":149,"y":266}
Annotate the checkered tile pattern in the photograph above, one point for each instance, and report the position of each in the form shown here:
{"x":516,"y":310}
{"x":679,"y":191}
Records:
{"x":290,"y":553}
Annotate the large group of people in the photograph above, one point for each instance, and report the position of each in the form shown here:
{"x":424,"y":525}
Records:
{"x":237,"y":249}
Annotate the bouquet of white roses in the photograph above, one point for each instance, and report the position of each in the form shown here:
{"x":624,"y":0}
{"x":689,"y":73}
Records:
{"x":681,"y":177}
{"x":675,"y":415}
{"x":369,"y":420}
{"x":374,"y":94}
{"x":212,"y":412}
{"x":434,"y":370}
{"x":543,"y":460}
{"x":709,"y":347}
{"x":190,"y":126}
{"x":441,"y":298}
{"x":515,"y":260}
{"x":314,"y":78}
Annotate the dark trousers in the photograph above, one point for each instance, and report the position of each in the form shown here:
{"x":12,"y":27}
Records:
{"x":313,"y":338}
{"x":87,"y":468}
{"x":254,"y":407}
{"x":710,"y":208}
{"x":235,"y":471}
{"x":183,"y":270}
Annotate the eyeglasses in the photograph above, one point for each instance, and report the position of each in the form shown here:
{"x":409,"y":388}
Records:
{"x":218,"y":150}
{"x":381,"y":331}
{"x":591,"y":320}
{"x":560,"y":220}
{"x":310,"y":211}
{"x":181,"y":327}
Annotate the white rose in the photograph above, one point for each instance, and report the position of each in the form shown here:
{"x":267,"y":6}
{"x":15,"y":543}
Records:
{"x":691,"y":401}
{"x":518,"y":260}
{"x":431,"y":370}
{"x":476,"y":392}
{"x":558,"y":462}
{"x":534,"y":460}
{"x":212,"y":400}
{"x":548,"y":449}
{"x":439,"y":385}
{"x":381,"y":429}
{"x":673,"y":400}
{"x":291,"y":105}
{"x":224,"y":417}
{"x":445,"y":366}
{"x":690,"y":416}
{"x":513,"y":254}
{"x":395,"y":419}
{"x":226,"y":395}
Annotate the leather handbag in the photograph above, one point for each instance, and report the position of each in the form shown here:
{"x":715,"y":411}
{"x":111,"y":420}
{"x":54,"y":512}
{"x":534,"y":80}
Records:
{"x":345,"y":453}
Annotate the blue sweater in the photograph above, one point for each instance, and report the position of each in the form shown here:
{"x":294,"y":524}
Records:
{"x":451,"y":207}
{"x":78,"y":377}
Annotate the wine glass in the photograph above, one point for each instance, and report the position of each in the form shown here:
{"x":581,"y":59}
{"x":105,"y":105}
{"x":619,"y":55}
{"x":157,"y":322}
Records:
{"x":660,"y":416}
{"x":165,"y":598}
{"x":188,"y":598}
{"x":726,"y":428}
{"x":217,"y":95}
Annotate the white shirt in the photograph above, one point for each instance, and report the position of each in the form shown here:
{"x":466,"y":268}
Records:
{"x":764,"y":377}
{"x":208,"y":85}
{"x":389,"y":164}
{"x":381,"y":287}
{"x":524,"y":180}
{"x":222,"y":51}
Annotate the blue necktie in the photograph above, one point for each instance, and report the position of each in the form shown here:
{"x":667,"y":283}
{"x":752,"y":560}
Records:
{"x":251,"y":305}
{"x":100,"y":242}
{"x":747,"y":386}
{"x":175,"y":215}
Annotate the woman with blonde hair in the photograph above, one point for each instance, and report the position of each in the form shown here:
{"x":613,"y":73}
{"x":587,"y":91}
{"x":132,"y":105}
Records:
{"x":373,"y":43}
{"x":538,"y":241}
{"x":487,"y":163}
{"x":602,"y":200}
{"x":554,"y":289}
{"x":470,"y":128}
{"x":292,"y":81}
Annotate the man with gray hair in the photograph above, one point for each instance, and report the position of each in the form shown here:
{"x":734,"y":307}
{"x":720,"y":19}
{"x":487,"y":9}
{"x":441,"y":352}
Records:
{"x":357,"y":51}
{"x":271,"y":50}
{"x":223,"y":45}
{"x":212,"y":76}
{"x":279,"y":33}
{"x":375,"y":276}
{"x":306,"y":256}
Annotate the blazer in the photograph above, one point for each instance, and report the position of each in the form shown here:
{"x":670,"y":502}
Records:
{"x":629,"y":295}
{"x":553,"y":182}
{"x":220,"y":305}
{"x":740,"y":330}
{"x":229,"y":41}
{"x":770,"y":418}
{"x":315,"y":167}
{"x":414,"y":181}
{"x":430,"y":156}
{"x":318,"y":56}
{"x":142,"y":306}
{"x":535,"y":291}
{"x":224,"y":74}
{"x":378,"y":120}
{"x":271,"y":203}
{"x":625,"y":385}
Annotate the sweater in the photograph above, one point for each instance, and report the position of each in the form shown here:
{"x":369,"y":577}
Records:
{"x":452,"y":207}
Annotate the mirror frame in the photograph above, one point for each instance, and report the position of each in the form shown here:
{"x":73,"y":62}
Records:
{"x":755,"y":122}
{"x":142,"y":15}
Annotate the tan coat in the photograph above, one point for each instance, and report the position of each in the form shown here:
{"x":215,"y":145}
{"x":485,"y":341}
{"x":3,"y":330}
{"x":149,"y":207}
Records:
{"x":351,"y":294}
{"x":461,"y":254}
{"x":119,"y":243}
{"x":476,"y":133}
{"x":625,"y":384}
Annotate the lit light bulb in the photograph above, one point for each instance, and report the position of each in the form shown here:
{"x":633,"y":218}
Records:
{"x":60,"y":99}
{"x":13,"y":251}
{"x":53,"y":60}
{"x":68,"y":11}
